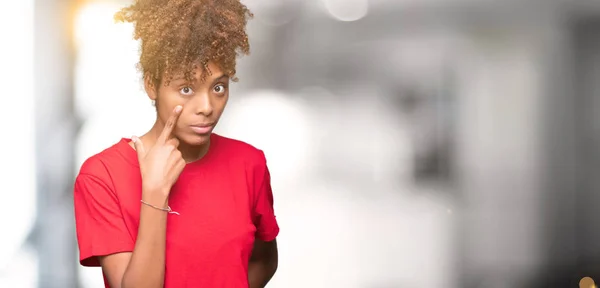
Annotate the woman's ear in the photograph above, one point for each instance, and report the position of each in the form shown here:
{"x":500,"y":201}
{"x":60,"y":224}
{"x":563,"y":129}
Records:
{"x":150,"y":87}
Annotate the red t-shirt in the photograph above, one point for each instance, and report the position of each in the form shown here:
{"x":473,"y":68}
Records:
{"x":224,"y":200}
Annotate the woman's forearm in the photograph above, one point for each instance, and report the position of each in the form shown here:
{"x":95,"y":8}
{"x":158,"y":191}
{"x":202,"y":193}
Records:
{"x":147,"y":265}
{"x":261,"y":272}
{"x":263,"y":263}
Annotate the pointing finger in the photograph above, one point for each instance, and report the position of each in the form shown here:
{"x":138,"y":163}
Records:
{"x":170,"y":125}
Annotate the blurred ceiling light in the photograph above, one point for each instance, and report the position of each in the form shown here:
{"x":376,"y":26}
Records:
{"x":347,"y":10}
{"x":94,"y":23}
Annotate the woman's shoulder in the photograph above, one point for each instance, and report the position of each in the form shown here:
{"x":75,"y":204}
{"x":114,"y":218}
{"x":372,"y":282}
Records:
{"x":238,"y":148}
{"x":103,"y":163}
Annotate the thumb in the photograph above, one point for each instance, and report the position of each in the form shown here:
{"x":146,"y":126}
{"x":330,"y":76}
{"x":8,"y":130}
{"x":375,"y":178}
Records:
{"x":139,"y":147}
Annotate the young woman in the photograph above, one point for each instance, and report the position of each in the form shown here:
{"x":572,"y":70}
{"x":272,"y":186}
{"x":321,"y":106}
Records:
{"x":181,"y":206}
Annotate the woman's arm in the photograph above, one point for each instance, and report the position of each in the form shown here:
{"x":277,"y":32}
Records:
{"x":160,"y":167}
{"x":145,"y":266}
{"x":263,"y":263}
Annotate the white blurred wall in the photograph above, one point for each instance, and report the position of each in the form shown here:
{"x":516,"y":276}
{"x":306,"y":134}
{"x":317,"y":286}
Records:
{"x":17,"y":159}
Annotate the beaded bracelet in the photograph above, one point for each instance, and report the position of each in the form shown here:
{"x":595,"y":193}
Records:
{"x":168,"y":209}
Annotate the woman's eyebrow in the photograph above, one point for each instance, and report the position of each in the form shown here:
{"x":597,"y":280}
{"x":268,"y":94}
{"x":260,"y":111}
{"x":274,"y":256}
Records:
{"x":221,"y":78}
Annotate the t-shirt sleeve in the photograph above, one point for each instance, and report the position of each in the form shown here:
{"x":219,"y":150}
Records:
{"x":99,"y":222}
{"x":264,"y":216}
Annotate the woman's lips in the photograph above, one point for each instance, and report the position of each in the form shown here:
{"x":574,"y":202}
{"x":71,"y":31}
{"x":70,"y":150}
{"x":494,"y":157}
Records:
{"x":202,"y":129}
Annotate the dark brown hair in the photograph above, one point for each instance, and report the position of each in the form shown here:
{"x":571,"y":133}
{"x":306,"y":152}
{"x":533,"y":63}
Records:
{"x":178,"y":35}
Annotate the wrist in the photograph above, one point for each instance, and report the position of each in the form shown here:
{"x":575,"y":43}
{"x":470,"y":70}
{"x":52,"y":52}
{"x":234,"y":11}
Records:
{"x":155,"y":197}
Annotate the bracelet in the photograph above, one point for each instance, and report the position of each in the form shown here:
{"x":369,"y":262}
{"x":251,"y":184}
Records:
{"x":168,"y":209}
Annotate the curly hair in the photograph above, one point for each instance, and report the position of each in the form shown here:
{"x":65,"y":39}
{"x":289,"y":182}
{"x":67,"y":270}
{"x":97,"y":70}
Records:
{"x":178,"y":35}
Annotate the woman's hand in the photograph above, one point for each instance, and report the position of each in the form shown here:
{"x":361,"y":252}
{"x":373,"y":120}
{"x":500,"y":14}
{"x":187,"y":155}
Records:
{"x":161,"y":165}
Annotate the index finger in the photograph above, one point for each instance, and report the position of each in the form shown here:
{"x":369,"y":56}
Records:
{"x":170,"y":125}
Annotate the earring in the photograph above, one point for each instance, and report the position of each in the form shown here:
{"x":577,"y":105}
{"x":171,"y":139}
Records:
{"x":153,"y":102}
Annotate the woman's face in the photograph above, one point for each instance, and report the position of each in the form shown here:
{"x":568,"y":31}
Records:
{"x":203,"y":103}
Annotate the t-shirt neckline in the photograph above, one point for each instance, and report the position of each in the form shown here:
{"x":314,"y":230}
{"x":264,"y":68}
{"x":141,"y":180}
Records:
{"x":130,"y":154}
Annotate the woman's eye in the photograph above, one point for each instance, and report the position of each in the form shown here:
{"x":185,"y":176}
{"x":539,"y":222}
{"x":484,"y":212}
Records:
{"x":186,"y":91}
{"x":219,"y":88}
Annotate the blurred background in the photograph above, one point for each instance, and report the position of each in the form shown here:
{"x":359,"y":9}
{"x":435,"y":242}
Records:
{"x":412,"y":143}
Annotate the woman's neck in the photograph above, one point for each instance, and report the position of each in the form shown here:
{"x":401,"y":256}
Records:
{"x":190,"y":153}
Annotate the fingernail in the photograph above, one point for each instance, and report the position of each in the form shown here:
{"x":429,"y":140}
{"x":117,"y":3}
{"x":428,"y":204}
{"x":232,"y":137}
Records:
{"x":134,"y":139}
{"x":178,"y":109}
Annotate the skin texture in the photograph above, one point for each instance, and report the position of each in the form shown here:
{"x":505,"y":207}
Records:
{"x":203,"y":104}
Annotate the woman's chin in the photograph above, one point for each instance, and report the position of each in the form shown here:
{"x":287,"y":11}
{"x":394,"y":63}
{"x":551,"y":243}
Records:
{"x":195,"y":139}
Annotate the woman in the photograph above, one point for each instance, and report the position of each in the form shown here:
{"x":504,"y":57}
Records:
{"x":180,"y":206}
